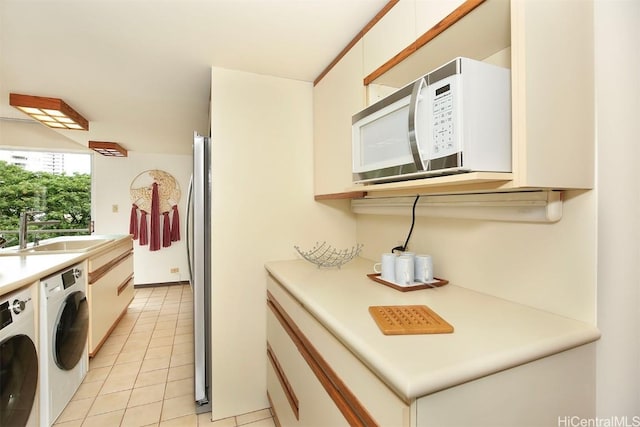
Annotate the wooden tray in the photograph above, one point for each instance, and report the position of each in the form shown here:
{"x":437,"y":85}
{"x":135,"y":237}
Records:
{"x":418,"y":285}
{"x":408,"y":320}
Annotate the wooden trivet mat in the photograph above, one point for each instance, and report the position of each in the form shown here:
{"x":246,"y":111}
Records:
{"x":408,"y":320}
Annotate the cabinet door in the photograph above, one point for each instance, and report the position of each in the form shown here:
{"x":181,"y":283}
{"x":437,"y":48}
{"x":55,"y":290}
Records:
{"x":553,"y":94}
{"x":109,"y":296}
{"x":316,"y":408}
{"x":338,"y":96}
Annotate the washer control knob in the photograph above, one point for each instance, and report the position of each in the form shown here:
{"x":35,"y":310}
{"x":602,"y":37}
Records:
{"x":77,"y":273}
{"x":18,"y":306}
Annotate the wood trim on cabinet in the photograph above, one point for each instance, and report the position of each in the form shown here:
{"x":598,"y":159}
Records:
{"x":339,"y":196}
{"x":432,"y":33}
{"x":348,"y":404}
{"x":355,"y":40}
{"x":125,"y":284}
{"x":284,"y":382}
{"x":96,"y":275}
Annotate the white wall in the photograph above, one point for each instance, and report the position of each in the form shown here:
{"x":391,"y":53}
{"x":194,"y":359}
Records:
{"x":262,"y":206}
{"x":618,"y":108}
{"x":111,"y":180}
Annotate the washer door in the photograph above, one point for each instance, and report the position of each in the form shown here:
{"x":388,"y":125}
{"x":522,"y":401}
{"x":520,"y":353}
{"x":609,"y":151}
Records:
{"x":18,"y":379}
{"x":71,"y":331}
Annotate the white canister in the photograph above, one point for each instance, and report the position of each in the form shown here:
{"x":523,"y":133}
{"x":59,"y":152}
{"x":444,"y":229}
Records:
{"x":423,"y":271}
{"x":387,"y":267}
{"x":405,"y":270}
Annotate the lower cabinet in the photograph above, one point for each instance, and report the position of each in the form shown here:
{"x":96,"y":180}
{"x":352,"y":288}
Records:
{"x":313,"y":380}
{"x":110,"y":291}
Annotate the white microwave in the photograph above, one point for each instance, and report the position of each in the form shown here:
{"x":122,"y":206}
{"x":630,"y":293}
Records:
{"x":454,"y":119}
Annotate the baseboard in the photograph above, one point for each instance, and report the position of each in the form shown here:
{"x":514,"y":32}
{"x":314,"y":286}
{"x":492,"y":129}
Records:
{"x":155,"y":285}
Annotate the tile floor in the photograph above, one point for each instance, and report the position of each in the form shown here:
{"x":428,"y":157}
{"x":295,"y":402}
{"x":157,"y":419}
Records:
{"x":143,"y":374}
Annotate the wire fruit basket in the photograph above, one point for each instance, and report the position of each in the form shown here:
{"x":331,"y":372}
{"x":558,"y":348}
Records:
{"x":326,"y":256}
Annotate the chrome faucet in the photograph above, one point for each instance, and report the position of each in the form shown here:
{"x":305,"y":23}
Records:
{"x":24,"y":223}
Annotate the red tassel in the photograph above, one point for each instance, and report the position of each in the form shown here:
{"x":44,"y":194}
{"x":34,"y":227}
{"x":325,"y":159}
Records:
{"x":154,"y":244}
{"x":175,"y":225}
{"x":133,"y":221}
{"x":144,"y":239}
{"x":166,"y":230}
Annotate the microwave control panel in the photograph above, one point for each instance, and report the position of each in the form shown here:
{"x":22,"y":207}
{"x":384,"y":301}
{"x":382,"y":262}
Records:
{"x":444,"y":116}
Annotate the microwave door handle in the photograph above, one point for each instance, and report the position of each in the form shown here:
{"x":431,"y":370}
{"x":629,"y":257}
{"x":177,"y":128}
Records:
{"x":413,"y":110}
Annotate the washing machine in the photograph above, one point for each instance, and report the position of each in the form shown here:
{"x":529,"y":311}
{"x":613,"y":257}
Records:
{"x":18,"y":360}
{"x":64,"y":326}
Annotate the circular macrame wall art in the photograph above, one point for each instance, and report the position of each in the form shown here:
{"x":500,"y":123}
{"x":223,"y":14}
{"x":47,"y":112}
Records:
{"x":155,"y":195}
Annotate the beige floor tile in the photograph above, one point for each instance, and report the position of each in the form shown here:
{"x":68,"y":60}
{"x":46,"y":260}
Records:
{"x":163,"y":333}
{"x":87,"y":390}
{"x":181,"y":359}
{"x":182,"y":348}
{"x":205,"y":420}
{"x":184,"y":330}
{"x":184,"y":338}
{"x":253,"y":416}
{"x":160,"y":341}
{"x":186,"y":421}
{"x":75,"y":410}
{"x":178,"y":407}
{"x":142,"y":415}
{"x":115,"y":383}
{"x":179,"y":388}
{"x":132,"y":356}
{"x":166,"y":324}
{"x":127,"y":368}
{"x":146,"y":317}
{"x":144,"y":395}
{"x":109,"y":419}
{"x":151,"y":377}
{"x":97,"y":374}
{"x":267,"y":422}
{"x":155,"y":363}
{"x":74,"y":423}
{"x":155,"y":352}
{"x":140,"y":327}
{"x":110,"y":402}
{"x":180,"y":372}
{"x":102,"y":360}
{"x":111,"y":348}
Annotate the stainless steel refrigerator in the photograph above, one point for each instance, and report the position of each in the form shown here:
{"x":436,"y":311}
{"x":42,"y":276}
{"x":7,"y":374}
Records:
{"x":199,"y":255}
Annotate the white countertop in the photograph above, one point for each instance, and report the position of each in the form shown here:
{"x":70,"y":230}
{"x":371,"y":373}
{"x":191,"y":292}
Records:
{"x":490,"y":334}
{"x":17,"y":271}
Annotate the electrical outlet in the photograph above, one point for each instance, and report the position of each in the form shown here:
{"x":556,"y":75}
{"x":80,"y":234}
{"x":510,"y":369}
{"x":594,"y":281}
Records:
{"x":114,"y":208}
{"x":174,"y":270}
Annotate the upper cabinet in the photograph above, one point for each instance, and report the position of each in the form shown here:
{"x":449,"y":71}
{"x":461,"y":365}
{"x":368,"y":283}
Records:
{"x":547,"y":45}
{"x":335,"y":98}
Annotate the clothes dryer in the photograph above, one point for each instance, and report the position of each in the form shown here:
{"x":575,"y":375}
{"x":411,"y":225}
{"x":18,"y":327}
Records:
{"x":18,"y":360}
{"x":64,"y":325}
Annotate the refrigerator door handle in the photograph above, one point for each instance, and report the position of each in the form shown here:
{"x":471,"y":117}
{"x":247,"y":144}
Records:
{"x":190,"y":231}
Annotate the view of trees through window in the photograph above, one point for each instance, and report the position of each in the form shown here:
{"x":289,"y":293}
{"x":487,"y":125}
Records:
{"x":49,"y":188}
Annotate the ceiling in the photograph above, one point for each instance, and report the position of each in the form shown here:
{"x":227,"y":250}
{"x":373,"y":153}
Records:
{"x":139,"y":70}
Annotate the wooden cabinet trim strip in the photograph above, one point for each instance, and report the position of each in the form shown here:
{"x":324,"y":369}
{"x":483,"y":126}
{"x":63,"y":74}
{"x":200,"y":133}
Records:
{"x":273,"y":411}
{"x":125,"y":284}
{"x":355,"y":40}
{"x":350,"y":407}
{"x":446,"y":22}
{"x":284,"y":382}
{"x":94,"y":276}
{"x":339,"y":196}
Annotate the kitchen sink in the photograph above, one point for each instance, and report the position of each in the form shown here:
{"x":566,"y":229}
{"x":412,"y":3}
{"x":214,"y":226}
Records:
{"x":58,"y":246}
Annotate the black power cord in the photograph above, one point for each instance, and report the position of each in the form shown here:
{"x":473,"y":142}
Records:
{"x":413,"y":221}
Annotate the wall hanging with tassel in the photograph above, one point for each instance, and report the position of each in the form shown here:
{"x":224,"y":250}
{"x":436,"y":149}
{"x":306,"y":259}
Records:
{"x":156,"y":194}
